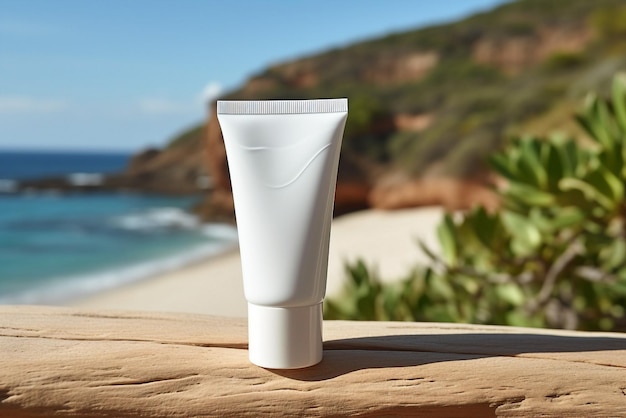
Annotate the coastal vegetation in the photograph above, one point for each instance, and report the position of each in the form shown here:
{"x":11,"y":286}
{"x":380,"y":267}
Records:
{"x":554,"y":255}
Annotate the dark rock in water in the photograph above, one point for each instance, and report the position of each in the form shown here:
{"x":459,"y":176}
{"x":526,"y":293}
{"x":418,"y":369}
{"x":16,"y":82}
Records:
{"x":69,"y":183}
{"x":146,"y":182}
{"x":175,"y":170}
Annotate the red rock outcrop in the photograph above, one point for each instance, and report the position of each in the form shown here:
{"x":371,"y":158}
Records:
{"x":515,"y":53}
{"x":179,"y":169}
{"x":413,"y":122}
{"x":398,"y":68}
{"x":452,"y":194}
{"x":300,"y":74}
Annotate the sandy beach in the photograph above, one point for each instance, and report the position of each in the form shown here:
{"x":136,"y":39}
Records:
{"x":385,"y":240}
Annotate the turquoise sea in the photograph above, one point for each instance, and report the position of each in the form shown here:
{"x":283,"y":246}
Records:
{"x":54,"y":247}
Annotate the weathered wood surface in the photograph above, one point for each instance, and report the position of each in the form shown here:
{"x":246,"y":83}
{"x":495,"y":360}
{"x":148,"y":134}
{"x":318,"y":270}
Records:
{"x":114,"y":364}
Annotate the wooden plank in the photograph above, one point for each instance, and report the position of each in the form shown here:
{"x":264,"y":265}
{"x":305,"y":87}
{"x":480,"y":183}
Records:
{"x":111,"y":364}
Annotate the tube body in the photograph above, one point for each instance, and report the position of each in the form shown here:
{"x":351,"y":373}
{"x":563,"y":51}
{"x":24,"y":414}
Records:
{"x":283,"y":157}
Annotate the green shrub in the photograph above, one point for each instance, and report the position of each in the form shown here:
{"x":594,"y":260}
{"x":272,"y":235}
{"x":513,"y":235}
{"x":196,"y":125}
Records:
{"x":518,"y":29}
{"x":418,"y":297}
{"x":554,"y":255}
{"x":364,"y":113}
{"x":465,"y":70}
{"x":610,"y":22}
{"x":366,"y":128}
{"x":564,"y":61}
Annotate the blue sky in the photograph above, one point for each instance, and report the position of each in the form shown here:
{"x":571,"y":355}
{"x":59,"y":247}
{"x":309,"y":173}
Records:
{"x":129,"y":74}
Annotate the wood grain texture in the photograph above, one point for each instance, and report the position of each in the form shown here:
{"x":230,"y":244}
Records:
{"x":64,"y":362}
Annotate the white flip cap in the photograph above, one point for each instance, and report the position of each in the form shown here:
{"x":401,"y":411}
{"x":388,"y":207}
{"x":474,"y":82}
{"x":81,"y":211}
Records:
{"x":285,"y":338}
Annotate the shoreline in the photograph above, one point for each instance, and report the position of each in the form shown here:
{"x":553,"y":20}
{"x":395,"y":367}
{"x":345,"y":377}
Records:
{"x":65,"y":290}
{"x":180,"y":290}
{"x":385,"y":240}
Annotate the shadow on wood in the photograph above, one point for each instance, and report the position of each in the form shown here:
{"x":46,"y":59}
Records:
{"x":410,"y":350}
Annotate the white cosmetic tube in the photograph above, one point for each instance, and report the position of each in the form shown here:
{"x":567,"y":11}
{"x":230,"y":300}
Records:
{"x":283,"y":157}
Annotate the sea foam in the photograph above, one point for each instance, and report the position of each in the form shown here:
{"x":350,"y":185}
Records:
{"x":157,"y":218}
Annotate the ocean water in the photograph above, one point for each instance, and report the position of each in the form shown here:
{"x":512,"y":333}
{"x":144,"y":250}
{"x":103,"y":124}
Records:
{"x":20,"y":165}
{"x":54,"y":247}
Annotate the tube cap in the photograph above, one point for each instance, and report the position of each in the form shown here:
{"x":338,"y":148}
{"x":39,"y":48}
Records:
{"x":285,"y":338}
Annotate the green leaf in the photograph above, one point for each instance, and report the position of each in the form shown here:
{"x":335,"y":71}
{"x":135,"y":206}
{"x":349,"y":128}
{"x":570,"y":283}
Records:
{"x":447,"y":239}
{"x":529,"y":165}
{"x":601,"y":186}
{"x":594,"y":119}
{"x":510,"y":293}
{"x":591,"y":193}
{"x":613,"y":159}
{"x":440,"y":288}
{"x":615,"y":254}
{"x":529,"y":195}
{"x":503,"y":166}
{"x":611,"y":186}
{"x":554,"y":166}
{"x":392,"y":306}
{"x":520,"y":318}
{"x":567,"y":217}
{"x":607,"y":123}
{"x":541,"y":220}
{"x":568,"y":154}
{"x":618,"y":95}
{"x":484,"y":226}
{"x":526,"y":237}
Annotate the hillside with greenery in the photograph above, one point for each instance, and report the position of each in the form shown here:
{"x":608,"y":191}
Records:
{"x":474,"y":102}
